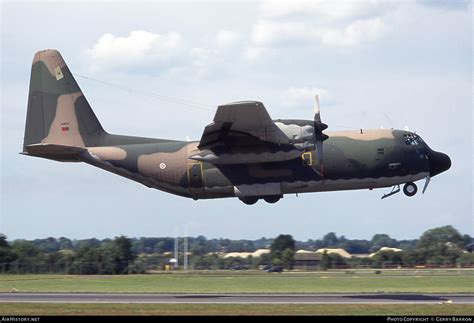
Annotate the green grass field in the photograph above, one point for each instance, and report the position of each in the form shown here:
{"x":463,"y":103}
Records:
{"x":390,"y":281}
{"x":231,"y":309}
{"x":362,"y":281}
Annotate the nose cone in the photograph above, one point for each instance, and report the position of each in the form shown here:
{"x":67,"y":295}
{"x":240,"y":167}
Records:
{"x":439,"y":163}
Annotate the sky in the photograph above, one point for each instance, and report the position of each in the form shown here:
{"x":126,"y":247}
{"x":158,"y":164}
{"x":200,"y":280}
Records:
{"x":160,"y":69}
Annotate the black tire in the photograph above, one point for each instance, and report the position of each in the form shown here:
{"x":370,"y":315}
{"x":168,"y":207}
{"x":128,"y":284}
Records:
{"x":272,"y":199}
{"x":249,"y":200}
{"x":410,"y":189}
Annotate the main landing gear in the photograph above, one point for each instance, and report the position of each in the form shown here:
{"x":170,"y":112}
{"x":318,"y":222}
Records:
{"x":409,"y":189}
{"x":250,"y":200}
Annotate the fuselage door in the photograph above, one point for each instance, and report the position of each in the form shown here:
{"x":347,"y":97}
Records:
{"x":195,"y":175}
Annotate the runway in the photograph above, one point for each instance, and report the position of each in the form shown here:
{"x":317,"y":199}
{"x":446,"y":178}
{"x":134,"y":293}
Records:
{"x":378,"y":298}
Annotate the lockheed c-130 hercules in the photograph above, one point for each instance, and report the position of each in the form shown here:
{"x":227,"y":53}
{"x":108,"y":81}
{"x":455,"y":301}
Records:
{"x":243,"y":153}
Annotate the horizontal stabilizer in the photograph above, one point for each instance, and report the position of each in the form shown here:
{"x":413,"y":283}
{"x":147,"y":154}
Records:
{"x":55,"y":152}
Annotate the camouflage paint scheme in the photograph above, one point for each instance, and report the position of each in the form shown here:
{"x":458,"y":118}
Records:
{"x":242,"y":154}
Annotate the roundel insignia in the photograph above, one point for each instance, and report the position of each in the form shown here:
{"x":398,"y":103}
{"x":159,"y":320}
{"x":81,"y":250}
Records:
{"x":162,"y":165}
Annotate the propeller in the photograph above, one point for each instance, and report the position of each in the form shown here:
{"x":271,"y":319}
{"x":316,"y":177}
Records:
{"x":319,"y":136}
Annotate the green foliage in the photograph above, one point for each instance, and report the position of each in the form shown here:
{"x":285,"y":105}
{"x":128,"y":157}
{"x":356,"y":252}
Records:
{"x":3,"y":241}
{"x":122,"y":255}
{"x":439,"y":246}
{"x":356,"y":246}
{"x":47,"y":245}
{"x":7,"y":255}
{"x":466,"y":241}
{"x":88,"y":261}
{"x":287,"y":258}
{"x":466,"y":259}
{"x":90,"y":242}
{"x":330,"y":240}
{"x":387,"y":257}
{"x":64,"y":244}
{"x":264,"y":259}
{"x":199,"y":246}
{"x":207,"y":262}
{"x":325,"y":261}
{"x":279,"y":245}
{"x":382,"y":240}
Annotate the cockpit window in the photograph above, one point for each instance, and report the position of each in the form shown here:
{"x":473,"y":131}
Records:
{"x":412,"y":139}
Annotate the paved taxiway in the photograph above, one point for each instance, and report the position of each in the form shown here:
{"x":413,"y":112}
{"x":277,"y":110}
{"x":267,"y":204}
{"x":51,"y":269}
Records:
{"x":378,"y":298}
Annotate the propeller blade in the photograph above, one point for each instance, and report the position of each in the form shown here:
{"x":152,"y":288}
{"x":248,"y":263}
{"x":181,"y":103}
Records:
{"x":317,"y":110}
{"x":319,"y":144}
{"x":427,"y":181}
{"x":319,"y":136}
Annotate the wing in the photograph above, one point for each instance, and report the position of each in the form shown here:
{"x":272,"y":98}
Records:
{"x":241,"y":124}
{"x":243,"y":132}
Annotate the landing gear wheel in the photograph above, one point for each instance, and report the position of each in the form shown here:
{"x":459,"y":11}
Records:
{"x":249,"y":200}
{"x":410,"y":189}
{"x":272,"y":199}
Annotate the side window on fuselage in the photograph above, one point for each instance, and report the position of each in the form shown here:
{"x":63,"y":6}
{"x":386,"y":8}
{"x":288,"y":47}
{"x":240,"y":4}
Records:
{"x":307,"y":158}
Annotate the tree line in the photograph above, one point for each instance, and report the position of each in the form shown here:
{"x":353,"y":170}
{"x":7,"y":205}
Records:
{"x":122,"y":255}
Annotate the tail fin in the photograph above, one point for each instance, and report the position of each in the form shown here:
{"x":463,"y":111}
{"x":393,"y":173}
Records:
{"x":58,"y":113}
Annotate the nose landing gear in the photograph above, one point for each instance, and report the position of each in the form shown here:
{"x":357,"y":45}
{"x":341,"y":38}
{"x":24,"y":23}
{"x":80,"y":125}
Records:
{"x":410,"y":189}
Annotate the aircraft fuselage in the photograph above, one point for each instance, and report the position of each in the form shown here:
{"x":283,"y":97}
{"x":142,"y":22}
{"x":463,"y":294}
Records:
{"x":243,"y":153}
{"x":360,"y":159}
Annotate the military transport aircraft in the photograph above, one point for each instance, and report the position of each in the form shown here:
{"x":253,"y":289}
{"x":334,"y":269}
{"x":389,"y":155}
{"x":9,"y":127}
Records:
{"x":243,"y":153}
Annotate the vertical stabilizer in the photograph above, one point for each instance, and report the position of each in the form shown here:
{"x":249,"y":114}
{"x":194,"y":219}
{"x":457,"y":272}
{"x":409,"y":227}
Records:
{"x":58,"y":113}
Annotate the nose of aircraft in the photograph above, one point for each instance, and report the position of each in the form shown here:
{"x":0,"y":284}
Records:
{"x":439,"y":162}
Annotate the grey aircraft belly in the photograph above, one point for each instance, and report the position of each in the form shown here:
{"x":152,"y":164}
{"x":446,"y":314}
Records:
{"x":243,"y":153}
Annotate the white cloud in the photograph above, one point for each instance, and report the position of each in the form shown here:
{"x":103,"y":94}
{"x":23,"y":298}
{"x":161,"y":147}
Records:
{"x":200,"y":58}
{"x":323,"y":8}
{"x":137,"y":49}
{"x":318,"y":23}
{"x":144,"y":49}
{"x":267,"y":32}
{"x":226,"y":38}
{"x":253,"y":53}
{"x":356,"y":33}
{"x":199,"y":53}
{"x":303,"y":96}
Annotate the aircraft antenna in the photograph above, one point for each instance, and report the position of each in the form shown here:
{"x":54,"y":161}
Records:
{"x":176,"y":252}
{"x":389,"y":120}
{"x":151,"y":94}
{"x":185,"y":247}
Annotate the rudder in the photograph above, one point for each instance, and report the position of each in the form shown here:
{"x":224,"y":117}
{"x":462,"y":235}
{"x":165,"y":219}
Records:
{"x":58,"y":113}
